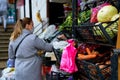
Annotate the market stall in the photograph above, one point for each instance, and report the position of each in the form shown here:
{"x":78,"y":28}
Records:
{"x":91,"y":33}
{"x":88,"y":33}
{"x":92,"y":37}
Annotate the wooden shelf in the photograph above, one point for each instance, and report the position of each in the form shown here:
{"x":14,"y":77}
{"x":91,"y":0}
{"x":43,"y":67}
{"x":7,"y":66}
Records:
{"x":118,"y":47}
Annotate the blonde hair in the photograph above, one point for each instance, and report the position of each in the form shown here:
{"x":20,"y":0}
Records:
{"x":17,"y":30}
{"x":19,"y":26}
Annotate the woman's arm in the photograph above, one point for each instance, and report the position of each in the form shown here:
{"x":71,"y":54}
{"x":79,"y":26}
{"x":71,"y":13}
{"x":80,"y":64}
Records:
{"x":42,"y":45}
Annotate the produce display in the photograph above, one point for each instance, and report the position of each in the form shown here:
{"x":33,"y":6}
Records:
{"x":98,"y":51}
{"x":94,"y":67}
{"x":82,"y":17}
{"x":111,"y":31}
{"x":106,"y":14}
{"x":94,"y":60}
{"x":102,"y":18}
{"x":66,"y":23}
{"x":90,"y":71}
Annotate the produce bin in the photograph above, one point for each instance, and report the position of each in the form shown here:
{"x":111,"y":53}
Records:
{"x":91,"y":71}
{"x":93,"y":33}
{"x":105,"y":33}
{"x":98,"y":68}
{"x":100,"y":34}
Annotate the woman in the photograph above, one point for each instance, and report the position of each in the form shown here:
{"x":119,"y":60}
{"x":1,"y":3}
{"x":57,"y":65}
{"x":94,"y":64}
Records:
{"x":27,"y":62}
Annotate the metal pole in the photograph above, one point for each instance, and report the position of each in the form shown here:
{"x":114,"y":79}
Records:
{"x":74,"y":17}
{"x":30,"y":8}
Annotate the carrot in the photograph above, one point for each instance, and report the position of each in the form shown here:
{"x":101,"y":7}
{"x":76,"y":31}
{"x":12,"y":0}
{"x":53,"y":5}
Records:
{"x":86,"y":57}
{"x":88,"y":51}
{"x":90,"y":55}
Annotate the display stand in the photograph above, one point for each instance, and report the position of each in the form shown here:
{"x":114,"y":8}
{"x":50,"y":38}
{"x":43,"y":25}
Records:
{"x":87,"y":70}
{"x":74,"y":17}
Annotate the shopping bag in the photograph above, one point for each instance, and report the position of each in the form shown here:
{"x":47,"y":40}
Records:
{"x":67,"y":63}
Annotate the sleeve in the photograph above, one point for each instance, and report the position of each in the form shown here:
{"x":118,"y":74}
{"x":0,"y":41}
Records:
{"x":11,"y":54}
{"x":42,"y":45}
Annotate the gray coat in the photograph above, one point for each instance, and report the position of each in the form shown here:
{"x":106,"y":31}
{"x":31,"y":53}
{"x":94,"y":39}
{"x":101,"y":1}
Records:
{"x":27,"y":62}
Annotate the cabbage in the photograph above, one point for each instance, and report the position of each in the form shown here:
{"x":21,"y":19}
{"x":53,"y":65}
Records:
{"x":106,"y":13}
{"x":115,"y":17}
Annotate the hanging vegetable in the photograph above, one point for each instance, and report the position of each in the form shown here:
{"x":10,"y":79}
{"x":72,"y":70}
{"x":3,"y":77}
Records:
{"x":38,"y":16}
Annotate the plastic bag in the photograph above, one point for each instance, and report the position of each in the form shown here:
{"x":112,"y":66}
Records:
{"x":8,"y":74}
{"x":68,"y":58}
{"x":54,"y":68}
{"x":48,"y":32}
{"x":95,"y":11}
